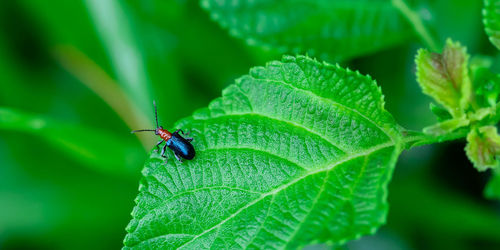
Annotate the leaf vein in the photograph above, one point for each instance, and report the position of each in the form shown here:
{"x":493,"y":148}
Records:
{"x":314,"y":96}
{"x":291,"y":123}
{"x":315,"y":201}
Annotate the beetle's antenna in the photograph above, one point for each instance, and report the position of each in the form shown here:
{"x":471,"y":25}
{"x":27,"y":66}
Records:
{"x":156,"y":114}
{"x":142,"y":130}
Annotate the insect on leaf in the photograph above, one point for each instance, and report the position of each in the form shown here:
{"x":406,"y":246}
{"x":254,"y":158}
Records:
{"x":337,"y":29}
{"x":296,"y":152}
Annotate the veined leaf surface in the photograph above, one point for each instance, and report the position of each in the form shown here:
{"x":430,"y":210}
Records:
{"x":296,"y":152}
{"x":337,"y":29}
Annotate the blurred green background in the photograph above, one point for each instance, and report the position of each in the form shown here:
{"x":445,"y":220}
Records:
{"x":77,"y":76}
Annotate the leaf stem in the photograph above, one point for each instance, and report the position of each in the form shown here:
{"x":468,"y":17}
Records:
{"x":417,"y":24}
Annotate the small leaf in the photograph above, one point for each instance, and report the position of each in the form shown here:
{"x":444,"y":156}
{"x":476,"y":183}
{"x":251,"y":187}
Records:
{"x":440,"y":113}
{"x":97,"y":149}
{"x":337,"y":29}
{"x":483,"y":147}
{"x":481,"y":113}
{"x":486,"y":87}
{"x":492,"y":190}
{"x":491,"y":20}
{"x":293,"y":153}
{"x":447,"y":126}
{"x":445,"y":77}
{"x":486,"y":84}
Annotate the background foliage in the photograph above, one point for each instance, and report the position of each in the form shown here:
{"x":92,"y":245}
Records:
{"x":75,"y":76}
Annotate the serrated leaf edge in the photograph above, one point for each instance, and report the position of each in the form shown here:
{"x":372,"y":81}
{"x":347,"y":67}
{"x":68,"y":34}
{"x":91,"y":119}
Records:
{"x":393,"y":134}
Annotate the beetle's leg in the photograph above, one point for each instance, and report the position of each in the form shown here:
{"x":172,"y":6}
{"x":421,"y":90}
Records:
{"x":187,"y":133}
{"x":178,"y":158}
{"x":158,"y":144}
{"x":163,"y":151}
{"x":184,"y":134}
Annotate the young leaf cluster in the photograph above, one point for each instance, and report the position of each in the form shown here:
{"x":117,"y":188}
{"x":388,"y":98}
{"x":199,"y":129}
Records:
{"x":445,"y":77}
{"x":468,"y":96}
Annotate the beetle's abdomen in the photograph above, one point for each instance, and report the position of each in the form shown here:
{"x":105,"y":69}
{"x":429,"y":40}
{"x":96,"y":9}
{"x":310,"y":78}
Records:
{"x":181,"y":146}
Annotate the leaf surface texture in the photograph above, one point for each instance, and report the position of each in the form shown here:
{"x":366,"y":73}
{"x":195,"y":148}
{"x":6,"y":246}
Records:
{"x":294,"y":153}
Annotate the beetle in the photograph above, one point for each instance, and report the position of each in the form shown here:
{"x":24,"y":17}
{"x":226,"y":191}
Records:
{"x":181,"y":146}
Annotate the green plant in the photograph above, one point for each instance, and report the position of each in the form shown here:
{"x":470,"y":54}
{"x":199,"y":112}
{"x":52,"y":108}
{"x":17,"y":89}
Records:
{"x":301,"y":152}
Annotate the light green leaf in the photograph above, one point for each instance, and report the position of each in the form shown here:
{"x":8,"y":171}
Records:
{"x":491,"y":20}
{"x":445,"y":77}
{"x":483,"y":147}
{"x":97,"y":149}
{"x":492,"y":189}
{"x":481,"y":113}
{"x":293,"y":153}
{"x":329,"y":29}
{"x":446,"y":126}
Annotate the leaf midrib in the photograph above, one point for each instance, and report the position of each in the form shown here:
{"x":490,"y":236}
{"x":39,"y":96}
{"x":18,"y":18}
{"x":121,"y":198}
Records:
{"x":291,"y":123}
{"x":351,"y":192}
{"x":185,"y":191}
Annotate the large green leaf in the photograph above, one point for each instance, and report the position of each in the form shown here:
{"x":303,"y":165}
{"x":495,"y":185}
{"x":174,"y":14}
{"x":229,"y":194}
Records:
{"x":333,"y":29}
{"x":294,"y":153}
{"x":491,"y":20}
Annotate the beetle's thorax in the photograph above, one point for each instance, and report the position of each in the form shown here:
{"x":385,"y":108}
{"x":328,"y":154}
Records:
{"x":163,"y":133}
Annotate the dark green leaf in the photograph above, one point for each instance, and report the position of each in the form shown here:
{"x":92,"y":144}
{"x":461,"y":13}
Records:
{"x":328,"y":29}
{"x":440,"y":113}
